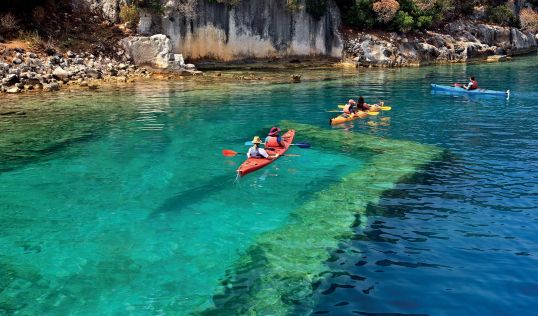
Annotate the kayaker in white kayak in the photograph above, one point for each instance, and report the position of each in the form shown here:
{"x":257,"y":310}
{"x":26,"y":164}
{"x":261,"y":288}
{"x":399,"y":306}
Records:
{"x":256,"y":152}
{"x":274,"y":139}
{"x":472,"y":85}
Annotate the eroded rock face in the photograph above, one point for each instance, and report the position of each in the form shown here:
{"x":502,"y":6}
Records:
{"x":251,"y":28}
{"x":155,"y":52}
{"x":152,"y":51}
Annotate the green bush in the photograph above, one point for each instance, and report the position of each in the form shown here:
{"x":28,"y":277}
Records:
{"x":502,"y":15}
{"x":424,"y":21}
{"x":316,"y":8}
{"x":357,"y":13}
{"x":465,"y":7}
{"x":129,"y":14}
{"x":403,"y":22}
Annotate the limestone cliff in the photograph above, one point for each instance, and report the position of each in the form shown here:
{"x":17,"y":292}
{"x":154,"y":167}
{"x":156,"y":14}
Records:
{"x":253,"y":28}
{"x":248,"y":29}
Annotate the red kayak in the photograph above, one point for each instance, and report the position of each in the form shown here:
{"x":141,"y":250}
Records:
{"x":253,"y":164}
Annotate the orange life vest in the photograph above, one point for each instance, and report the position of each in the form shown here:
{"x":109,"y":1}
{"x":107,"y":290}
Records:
{"x":272,"y":141}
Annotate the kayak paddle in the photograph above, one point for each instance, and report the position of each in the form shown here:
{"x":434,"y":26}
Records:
{"x":300,"y":145}
{"x":231,"y":153}
{"x":383,"y":108}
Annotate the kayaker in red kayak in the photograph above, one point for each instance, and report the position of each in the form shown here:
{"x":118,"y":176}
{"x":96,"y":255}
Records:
{"x":472,"y":85}
{"x":256,"y":152}
{"x":274,"y":139}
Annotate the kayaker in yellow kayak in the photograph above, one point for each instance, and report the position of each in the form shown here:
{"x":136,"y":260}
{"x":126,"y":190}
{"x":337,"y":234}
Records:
{"x":350,"y":108}
{"x":363,"y":106}
{"x":274,"y":139}
{"x":256,"y":152}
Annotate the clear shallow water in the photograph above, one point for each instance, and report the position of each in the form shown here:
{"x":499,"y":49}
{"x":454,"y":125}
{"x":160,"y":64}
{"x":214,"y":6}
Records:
{"x":129,"y":207}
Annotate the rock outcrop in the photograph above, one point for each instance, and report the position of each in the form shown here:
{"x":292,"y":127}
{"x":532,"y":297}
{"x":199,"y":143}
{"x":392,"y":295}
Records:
{"x":457,"y":45}
{"x":155,"y":52}
{"x":151,"y":51}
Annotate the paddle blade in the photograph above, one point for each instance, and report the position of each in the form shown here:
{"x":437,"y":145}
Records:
{"x":385,"y":108}
{"x":334,"y":111}
{"x":302,"y":145}
{"x":341,"y":106}
{"x":229,"y":153}
{"x":373,"y":113}
{"x":249,"y":143}
{"x":291,"y":155}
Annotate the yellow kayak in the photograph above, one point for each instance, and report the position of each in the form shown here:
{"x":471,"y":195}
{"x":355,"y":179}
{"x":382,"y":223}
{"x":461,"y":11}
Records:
{"x":347,"y":117}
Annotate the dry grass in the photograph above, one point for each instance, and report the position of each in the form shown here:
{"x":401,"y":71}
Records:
{"x":529,"y":20}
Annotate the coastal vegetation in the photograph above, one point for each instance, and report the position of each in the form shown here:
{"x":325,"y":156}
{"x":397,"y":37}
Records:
{"x":408,"y":15}
{"x":390,"y":15}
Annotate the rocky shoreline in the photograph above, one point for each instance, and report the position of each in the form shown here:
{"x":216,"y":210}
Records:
{"x":137,"y":57}
{"x":458,"y":43}
{"x":22,"y":70}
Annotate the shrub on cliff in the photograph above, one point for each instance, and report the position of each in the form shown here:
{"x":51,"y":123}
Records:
{"x":8,"y":24}
{"x":357,"y":13}
{"x":385,"y":10}
{"x":502,"y":15}
{"x":529,"y":20}
{"x":403,"y":21}
{"x":129,"y":14}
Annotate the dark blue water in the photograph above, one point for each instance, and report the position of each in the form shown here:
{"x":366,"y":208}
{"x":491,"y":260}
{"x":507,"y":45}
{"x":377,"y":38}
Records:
{"x":461,"y":238}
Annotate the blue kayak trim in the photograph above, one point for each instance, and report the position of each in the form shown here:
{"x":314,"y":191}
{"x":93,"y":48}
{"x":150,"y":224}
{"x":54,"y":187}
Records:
{"x":477,"y":91}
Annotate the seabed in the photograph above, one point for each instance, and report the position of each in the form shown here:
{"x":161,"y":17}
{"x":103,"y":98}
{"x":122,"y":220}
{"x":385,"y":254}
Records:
{"x":283,"y":266}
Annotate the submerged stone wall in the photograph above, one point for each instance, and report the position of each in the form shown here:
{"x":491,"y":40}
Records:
{"x":283,"y":265}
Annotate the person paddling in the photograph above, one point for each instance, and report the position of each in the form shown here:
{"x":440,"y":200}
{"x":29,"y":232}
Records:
{"x":274,"y":139}
{"x":256,"y":152}
{"x":350,"y":107}
{"x":472,"y":85}
{"x":365,"y":107}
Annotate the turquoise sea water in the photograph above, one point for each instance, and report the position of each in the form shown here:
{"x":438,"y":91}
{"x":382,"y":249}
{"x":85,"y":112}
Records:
{"x":119,"y":202}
